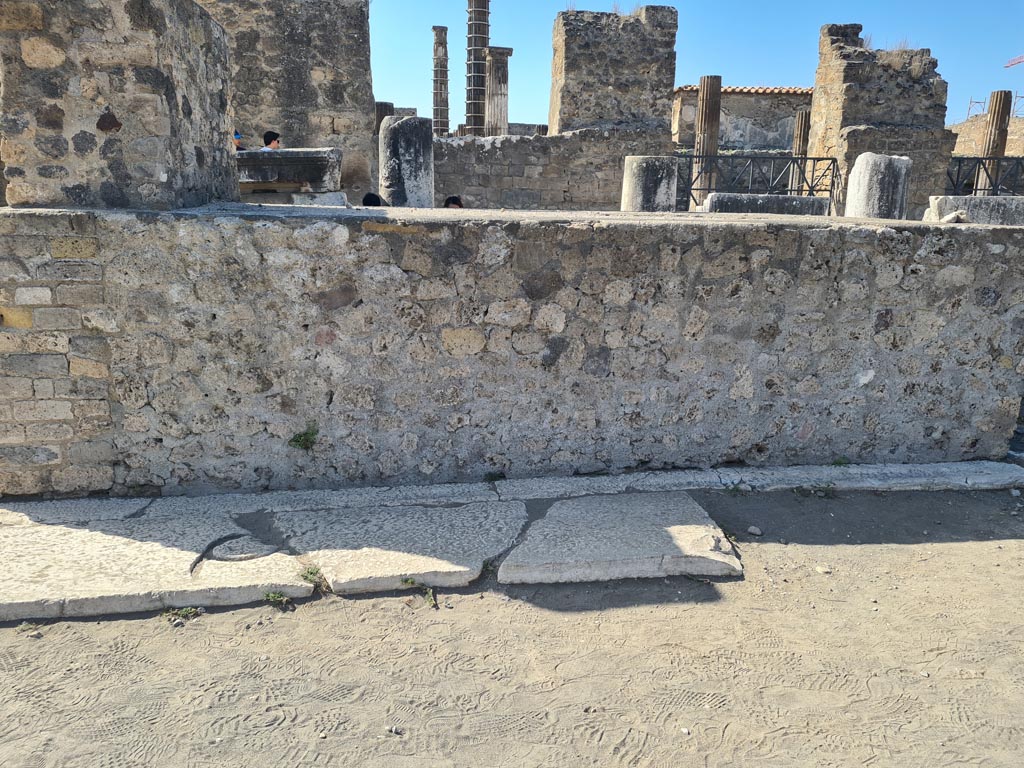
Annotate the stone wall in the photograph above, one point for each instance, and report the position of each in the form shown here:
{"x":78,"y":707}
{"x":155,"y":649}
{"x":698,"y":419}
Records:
{"x":889,"y":102}
{"x":114,"y":103}
{"x":302,"y":68}
{"x":182,"y":352}
{"x":970,"y":136}
{"x":611,"y":69}
{"x":752,"y":118}
{"x":579,"y":170}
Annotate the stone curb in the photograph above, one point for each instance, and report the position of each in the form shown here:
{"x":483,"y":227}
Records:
{"x":953,"y":476}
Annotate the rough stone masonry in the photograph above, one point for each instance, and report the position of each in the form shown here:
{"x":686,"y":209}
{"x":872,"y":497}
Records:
{"x":302,"y":68}
{"x":114,"y":104}
{"x":182,"y":352}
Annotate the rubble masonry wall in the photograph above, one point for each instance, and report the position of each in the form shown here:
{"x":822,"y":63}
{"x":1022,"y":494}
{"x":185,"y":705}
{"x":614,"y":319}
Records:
{"x":888,"y":102}
{"x":613,"y":69}
{"x":114,"y":104}
{"x":579,"y":170}
{"x":182,"y":351}
{"x":302,"y":68}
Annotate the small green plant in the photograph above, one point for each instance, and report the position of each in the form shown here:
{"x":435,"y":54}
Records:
{"x":428,"y":592}
{"x":27,"y":626}
{"x":315,"y":576}
{"x":493,"y":477}
{"x":305,"y":440}
{"x":185,"y":614}
{"x":277,"y":599}
{"x":842,"y":461}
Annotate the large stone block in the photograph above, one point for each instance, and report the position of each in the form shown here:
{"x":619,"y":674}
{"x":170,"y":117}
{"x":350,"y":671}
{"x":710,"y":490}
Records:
{"x":114,"y":104}
{"x":788,"y":205}
{"x":879,"y":187}
{"x":1006,"y":211}
{"x":407,"y":162}
{"x":650,"y":183}
{"x":303,"y":170}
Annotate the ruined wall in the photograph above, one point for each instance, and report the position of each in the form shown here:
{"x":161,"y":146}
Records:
{"x":891,"y":102}
{"x":183,"y":351}
{"x":302,"y":68}
{"x":580,"y":170}
{"x":114,"y":103}
{"x":612,"y":69}
{"x":752,"y":118}
{"x":970,"y":136}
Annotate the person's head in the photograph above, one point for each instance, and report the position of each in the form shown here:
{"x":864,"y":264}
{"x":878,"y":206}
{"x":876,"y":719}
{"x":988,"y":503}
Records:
{"x":453,"y":202}
{"x":237,"y":139}
{"x":371,"y":199}
{"x":272,"y":140}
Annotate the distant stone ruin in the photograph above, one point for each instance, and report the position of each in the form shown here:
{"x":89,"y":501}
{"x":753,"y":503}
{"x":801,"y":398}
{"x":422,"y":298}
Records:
{"x":611,"y":69}
{"x":889,"y":102}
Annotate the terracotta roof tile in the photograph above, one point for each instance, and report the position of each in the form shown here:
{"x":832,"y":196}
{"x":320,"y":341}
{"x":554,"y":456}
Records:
{"x":753,"y":89}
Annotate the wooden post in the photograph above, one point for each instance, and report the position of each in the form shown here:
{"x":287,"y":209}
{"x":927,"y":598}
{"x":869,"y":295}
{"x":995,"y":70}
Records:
{"x":801,"y":136}
{"x":999,"y":106}
{"x":709,"y":118}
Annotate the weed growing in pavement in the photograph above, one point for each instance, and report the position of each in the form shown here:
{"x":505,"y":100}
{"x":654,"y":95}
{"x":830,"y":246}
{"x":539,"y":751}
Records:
{"x":428,"y":592}
{"x":315,"y":576}
{"x":277,"y":599}
{"x":27,"y":626}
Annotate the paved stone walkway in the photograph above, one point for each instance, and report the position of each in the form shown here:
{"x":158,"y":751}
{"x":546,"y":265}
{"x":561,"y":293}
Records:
{"x":105,"y":556}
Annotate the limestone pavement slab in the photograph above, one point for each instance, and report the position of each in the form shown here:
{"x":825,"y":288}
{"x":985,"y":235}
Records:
{"x":393,"y":547}
{"x":629,"y":535}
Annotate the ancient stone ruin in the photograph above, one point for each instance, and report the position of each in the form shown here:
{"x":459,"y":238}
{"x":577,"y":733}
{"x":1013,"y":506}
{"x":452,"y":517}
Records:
{"x":114,"y":105}
{"x":169,"y":348}
{"x":892,"y":102}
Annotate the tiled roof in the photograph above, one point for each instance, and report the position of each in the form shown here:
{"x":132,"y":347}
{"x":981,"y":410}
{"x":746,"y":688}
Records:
{"x":753,"y":89}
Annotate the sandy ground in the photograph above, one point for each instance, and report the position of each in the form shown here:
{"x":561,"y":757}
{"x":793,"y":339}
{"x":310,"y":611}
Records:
{"x":887,"y":630}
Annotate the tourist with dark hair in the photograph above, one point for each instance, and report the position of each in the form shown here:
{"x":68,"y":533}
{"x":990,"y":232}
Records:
{"x":454,"y":201}
{"x":372,"y":200}
{"x":271,"y":141}
{"x":237,"y":141}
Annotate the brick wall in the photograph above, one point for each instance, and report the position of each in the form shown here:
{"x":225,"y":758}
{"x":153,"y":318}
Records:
{"x":970,"y":136}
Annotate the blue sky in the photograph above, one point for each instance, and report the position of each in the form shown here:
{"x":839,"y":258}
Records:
{"x":747,"y":43}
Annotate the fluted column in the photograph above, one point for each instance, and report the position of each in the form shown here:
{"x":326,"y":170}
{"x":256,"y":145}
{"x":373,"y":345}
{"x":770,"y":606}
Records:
{"x":709,"y":118}
{"x":496,"y":113}
{"x":801,"y":137}
{"x":999,"y":106}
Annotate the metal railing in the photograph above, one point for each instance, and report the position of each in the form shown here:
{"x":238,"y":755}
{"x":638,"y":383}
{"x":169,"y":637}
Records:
{"x":757,"y":175}
{"x":992,"y":176}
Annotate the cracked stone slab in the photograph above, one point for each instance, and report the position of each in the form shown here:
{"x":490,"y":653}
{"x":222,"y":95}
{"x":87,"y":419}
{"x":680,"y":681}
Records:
{"x":372,"y":550}
{"x":631,"y":535}
{"x":566,"y":487}
{"x":124,"y":566}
